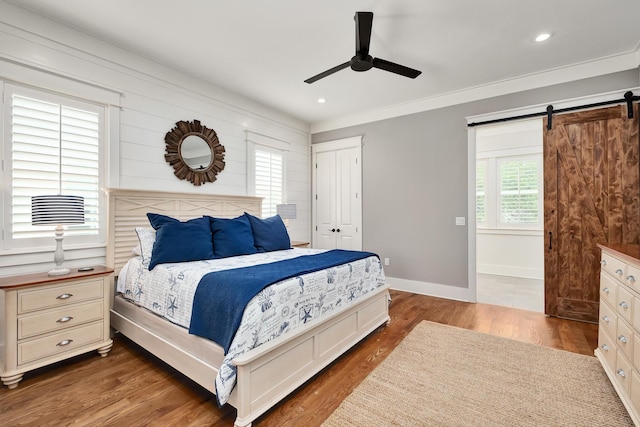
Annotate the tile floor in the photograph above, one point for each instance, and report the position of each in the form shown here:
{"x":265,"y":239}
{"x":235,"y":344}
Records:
{"x":516,"y":292}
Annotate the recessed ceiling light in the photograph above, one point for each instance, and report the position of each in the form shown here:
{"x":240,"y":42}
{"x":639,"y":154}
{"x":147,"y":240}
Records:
{"x":321,"y":100}
{"x":542,"y":37}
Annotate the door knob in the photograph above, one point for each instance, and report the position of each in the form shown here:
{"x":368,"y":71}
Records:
{"x":338,"y":230}
{"x":333,"y":230}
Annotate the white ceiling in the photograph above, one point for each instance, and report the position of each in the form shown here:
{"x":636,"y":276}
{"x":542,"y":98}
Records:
{"x":266,"y":49}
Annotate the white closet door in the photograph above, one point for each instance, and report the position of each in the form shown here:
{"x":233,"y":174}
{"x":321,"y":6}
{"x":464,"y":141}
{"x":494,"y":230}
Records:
{"x":337,"y":204}
{"x":325,"y":201}
{"x":348,"y":206}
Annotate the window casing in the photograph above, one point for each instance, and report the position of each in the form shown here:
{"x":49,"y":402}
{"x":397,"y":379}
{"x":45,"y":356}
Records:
{"x":53,"y":144}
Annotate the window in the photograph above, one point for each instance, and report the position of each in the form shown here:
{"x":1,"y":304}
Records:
{"x":519,"y":196}
{"x":267,"y":158}
{"x":54,"y":148}
{"x":269,"y":180}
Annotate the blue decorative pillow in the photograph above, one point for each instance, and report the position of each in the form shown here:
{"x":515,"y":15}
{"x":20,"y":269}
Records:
{"x":157,"y":220}
{"x":269,"y":234}
{"x":231,"y":237}
{"x":180,"y":241}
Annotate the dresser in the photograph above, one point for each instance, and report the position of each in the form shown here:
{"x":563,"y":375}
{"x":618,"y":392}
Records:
{"x":48,"y":319}
{"x":619,"y":322}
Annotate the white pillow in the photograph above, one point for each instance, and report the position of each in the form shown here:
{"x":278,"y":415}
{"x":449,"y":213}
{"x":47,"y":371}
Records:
{"x":147,"y":237}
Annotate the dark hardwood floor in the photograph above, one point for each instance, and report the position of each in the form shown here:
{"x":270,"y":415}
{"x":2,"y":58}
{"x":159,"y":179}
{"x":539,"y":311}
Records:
{"x":130,"y":387}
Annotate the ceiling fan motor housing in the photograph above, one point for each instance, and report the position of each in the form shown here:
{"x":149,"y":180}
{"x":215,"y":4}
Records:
{"x":361,"y":63}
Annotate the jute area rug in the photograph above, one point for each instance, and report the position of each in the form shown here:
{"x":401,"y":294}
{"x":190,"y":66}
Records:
{"x":441,"y":375}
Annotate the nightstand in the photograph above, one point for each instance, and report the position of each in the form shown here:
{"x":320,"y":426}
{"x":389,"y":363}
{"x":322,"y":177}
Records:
{"x":298,"y":244}
{"x":48,"y":319}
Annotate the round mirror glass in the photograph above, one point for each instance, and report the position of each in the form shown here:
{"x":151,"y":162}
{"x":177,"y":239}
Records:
{"x":195,"y":152}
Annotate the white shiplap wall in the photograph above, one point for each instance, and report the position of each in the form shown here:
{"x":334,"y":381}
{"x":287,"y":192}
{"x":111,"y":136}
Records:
{"x":152,"y":99}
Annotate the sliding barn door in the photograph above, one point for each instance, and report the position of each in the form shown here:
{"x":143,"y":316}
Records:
{"x":590,"y":196}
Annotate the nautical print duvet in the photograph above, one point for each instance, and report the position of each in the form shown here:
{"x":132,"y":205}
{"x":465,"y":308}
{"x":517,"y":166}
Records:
{"x":168,"y":291}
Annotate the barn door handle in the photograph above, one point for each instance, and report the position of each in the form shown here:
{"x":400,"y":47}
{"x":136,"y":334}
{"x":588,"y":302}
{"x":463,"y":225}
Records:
{"x":550,"y":239}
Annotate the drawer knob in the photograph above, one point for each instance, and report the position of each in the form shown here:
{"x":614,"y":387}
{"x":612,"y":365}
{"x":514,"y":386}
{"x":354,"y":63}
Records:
{"x":631,"y":279}
{"x":606,"y":291}
{"x":624,"y":305}
{"x":64,"y":319}
{"x":603,"y":262}
{"x":605,"y":318}
{"x":64,"y":296}
{"x":622,"y":339}
{"x":64,"y":342}
{"x":621,"y":373}
{"x":605,"y":347}
{"x":619,"y":272}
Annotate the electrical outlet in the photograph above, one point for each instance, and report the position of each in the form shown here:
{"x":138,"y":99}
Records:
{"x":386,"y":261}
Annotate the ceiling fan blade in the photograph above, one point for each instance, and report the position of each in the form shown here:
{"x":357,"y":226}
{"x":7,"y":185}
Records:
{"x":328,"y":72}
{"x":364,"y":22}
{"x":396,"y":68}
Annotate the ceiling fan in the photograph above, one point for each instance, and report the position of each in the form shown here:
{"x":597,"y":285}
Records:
{"x":362,"y":61}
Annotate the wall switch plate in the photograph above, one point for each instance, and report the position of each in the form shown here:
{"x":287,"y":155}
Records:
{"x":386,"y":261}
{"x":460,"y":220}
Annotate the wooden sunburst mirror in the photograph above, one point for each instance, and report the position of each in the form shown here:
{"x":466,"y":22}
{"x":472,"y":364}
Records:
{"x":194,"y":151}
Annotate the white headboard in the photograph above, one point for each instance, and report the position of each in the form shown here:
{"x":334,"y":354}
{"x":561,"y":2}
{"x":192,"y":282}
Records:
{"x":128,"y":209}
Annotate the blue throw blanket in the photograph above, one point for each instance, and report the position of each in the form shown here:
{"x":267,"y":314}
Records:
{"x":222,"y":296}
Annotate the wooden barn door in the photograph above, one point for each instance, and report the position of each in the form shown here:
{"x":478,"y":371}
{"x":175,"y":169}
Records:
{"x":591,"y":193}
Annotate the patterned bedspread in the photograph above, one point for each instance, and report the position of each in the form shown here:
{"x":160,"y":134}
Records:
{"x":168,"y":291}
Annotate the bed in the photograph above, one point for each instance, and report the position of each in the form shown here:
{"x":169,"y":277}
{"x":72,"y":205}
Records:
{"x":263,"y":375}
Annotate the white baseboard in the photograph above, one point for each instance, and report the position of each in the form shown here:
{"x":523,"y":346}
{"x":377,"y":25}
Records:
{"x":432,"y":289}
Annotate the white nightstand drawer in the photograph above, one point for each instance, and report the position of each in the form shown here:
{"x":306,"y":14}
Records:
{"x":59,"y":342}
{"x":64,"y":317}
{"x":56,"y":296}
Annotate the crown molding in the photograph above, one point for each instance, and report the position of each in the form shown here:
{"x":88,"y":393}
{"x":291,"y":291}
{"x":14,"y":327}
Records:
{"x":594,"y":68}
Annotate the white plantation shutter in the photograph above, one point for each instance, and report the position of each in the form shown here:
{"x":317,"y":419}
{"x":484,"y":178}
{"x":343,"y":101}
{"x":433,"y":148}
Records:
{"x":481,"y":191}
{"x":519,"y":195}
{"x":269,"y":178}
{"x":55,"y":149}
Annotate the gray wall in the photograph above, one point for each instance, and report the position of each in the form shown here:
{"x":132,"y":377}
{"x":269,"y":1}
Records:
{"x":415,"y":179}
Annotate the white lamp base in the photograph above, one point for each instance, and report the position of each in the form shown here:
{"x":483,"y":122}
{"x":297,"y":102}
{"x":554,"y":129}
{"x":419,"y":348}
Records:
{"x":58,"y":256}
{"x":59,"y":272}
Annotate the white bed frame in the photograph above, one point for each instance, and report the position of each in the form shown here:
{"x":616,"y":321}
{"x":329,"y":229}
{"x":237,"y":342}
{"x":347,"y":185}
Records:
{"x":269,"y":372}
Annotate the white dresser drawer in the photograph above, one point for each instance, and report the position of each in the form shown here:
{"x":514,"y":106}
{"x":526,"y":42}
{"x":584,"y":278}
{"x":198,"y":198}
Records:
{"x":632,"y":277}
{"x":613,"y":266}
{"x":608,"y":318}
{"x":608,"y":289}
{"x":623,"y":372}
{"x":635,"y":390}
{"x":624,"y":339}
{"x":64,"y":317}
{"x":624,"y":303}
{"x":56,"y":296}
{"x":607,"y":348}
{"x":60,"y":342}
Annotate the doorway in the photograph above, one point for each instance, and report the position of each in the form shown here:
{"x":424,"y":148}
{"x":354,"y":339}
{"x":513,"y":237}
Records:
{"x":509,"y":215}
